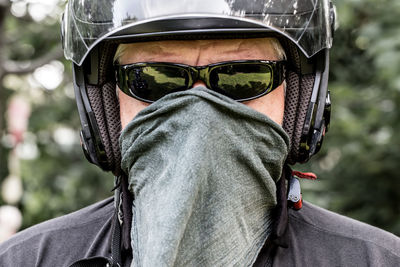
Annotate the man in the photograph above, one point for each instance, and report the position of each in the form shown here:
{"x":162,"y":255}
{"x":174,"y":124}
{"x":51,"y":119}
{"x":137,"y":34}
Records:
{"x":198,"y":107}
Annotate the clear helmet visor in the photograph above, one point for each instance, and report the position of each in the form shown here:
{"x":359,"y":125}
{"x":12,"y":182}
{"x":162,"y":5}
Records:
{"x":307,"y":23}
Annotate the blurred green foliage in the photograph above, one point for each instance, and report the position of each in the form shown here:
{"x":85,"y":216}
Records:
{"x":357,"y":166}
{"x":58,"y":179}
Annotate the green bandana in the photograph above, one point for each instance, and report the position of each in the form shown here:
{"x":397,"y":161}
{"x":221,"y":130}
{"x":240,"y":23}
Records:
{"x":202,"y":169}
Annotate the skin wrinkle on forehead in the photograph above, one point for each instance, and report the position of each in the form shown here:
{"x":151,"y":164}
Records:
{"x":153,"y":50}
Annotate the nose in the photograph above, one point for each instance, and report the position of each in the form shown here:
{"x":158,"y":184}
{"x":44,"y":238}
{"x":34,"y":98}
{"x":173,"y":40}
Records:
{"x":199,"y":83}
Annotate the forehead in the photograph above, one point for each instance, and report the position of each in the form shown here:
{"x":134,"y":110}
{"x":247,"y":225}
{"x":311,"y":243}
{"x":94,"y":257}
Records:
{"x":207,"y":50}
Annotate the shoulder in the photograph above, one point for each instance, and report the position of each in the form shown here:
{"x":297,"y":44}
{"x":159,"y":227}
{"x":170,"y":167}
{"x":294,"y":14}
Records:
{"x":323,"y":238}
{"x":61,"y":240}
{"x":320,"y":220}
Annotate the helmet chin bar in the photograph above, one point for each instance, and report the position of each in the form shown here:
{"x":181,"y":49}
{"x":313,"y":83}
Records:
{"x":319,"y":110}
{"x":91,"y":143}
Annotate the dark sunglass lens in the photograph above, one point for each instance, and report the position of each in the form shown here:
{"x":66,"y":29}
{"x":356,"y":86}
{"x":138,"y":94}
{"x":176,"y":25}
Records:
{"x":241,"y":80}
{"x":153,"y":82}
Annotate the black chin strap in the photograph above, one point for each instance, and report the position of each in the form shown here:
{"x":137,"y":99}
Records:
{"x":280,"y":212}
{"x":116,"y":232}
{"x":120,"y":243}
{"x":278,"y":236}
{"x":126,"y":208}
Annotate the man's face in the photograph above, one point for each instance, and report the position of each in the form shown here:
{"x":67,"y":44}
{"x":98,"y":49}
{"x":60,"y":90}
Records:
{"x":199,"y":53}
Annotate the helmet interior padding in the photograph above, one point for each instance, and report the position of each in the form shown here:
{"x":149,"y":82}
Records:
{"x":105,"y":105}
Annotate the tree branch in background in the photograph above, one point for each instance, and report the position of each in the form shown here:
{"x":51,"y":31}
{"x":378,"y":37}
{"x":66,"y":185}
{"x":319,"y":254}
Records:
{"x":23,"y":67}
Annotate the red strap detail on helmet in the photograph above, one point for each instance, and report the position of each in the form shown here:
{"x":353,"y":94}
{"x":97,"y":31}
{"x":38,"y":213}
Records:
{"x":299,"y":204}
{"x":305,"y":175}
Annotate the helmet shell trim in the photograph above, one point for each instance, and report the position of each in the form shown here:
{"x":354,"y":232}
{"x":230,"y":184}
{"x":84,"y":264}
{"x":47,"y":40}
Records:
{"x":306,"y":23}
{"x":189,"y":26}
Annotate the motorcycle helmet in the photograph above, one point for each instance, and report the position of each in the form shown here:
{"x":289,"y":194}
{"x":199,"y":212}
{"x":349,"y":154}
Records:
{"x":92,"y":30}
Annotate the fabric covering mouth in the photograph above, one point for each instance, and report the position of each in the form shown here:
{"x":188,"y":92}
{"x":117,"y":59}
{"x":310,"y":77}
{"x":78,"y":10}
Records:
{"x":202,"y":168}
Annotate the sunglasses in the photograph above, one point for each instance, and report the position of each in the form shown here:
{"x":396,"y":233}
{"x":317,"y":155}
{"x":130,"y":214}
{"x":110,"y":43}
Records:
{"x":240,"y":80}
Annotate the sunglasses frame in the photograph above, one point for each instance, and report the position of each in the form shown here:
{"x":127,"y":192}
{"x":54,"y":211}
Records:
{"x":201,"y":73}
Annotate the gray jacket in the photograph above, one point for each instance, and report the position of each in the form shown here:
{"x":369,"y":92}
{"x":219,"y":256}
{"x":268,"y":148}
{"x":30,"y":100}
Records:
{"x":315,"y":237}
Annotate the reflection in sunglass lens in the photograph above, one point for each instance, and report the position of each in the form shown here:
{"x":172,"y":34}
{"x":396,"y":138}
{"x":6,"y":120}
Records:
{"x":153,"y":82}
{"x":241,"y":81}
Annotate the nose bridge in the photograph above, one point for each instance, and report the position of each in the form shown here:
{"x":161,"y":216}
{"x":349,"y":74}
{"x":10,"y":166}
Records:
{"x":203,"y":73}
{"x":200,"y":73}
